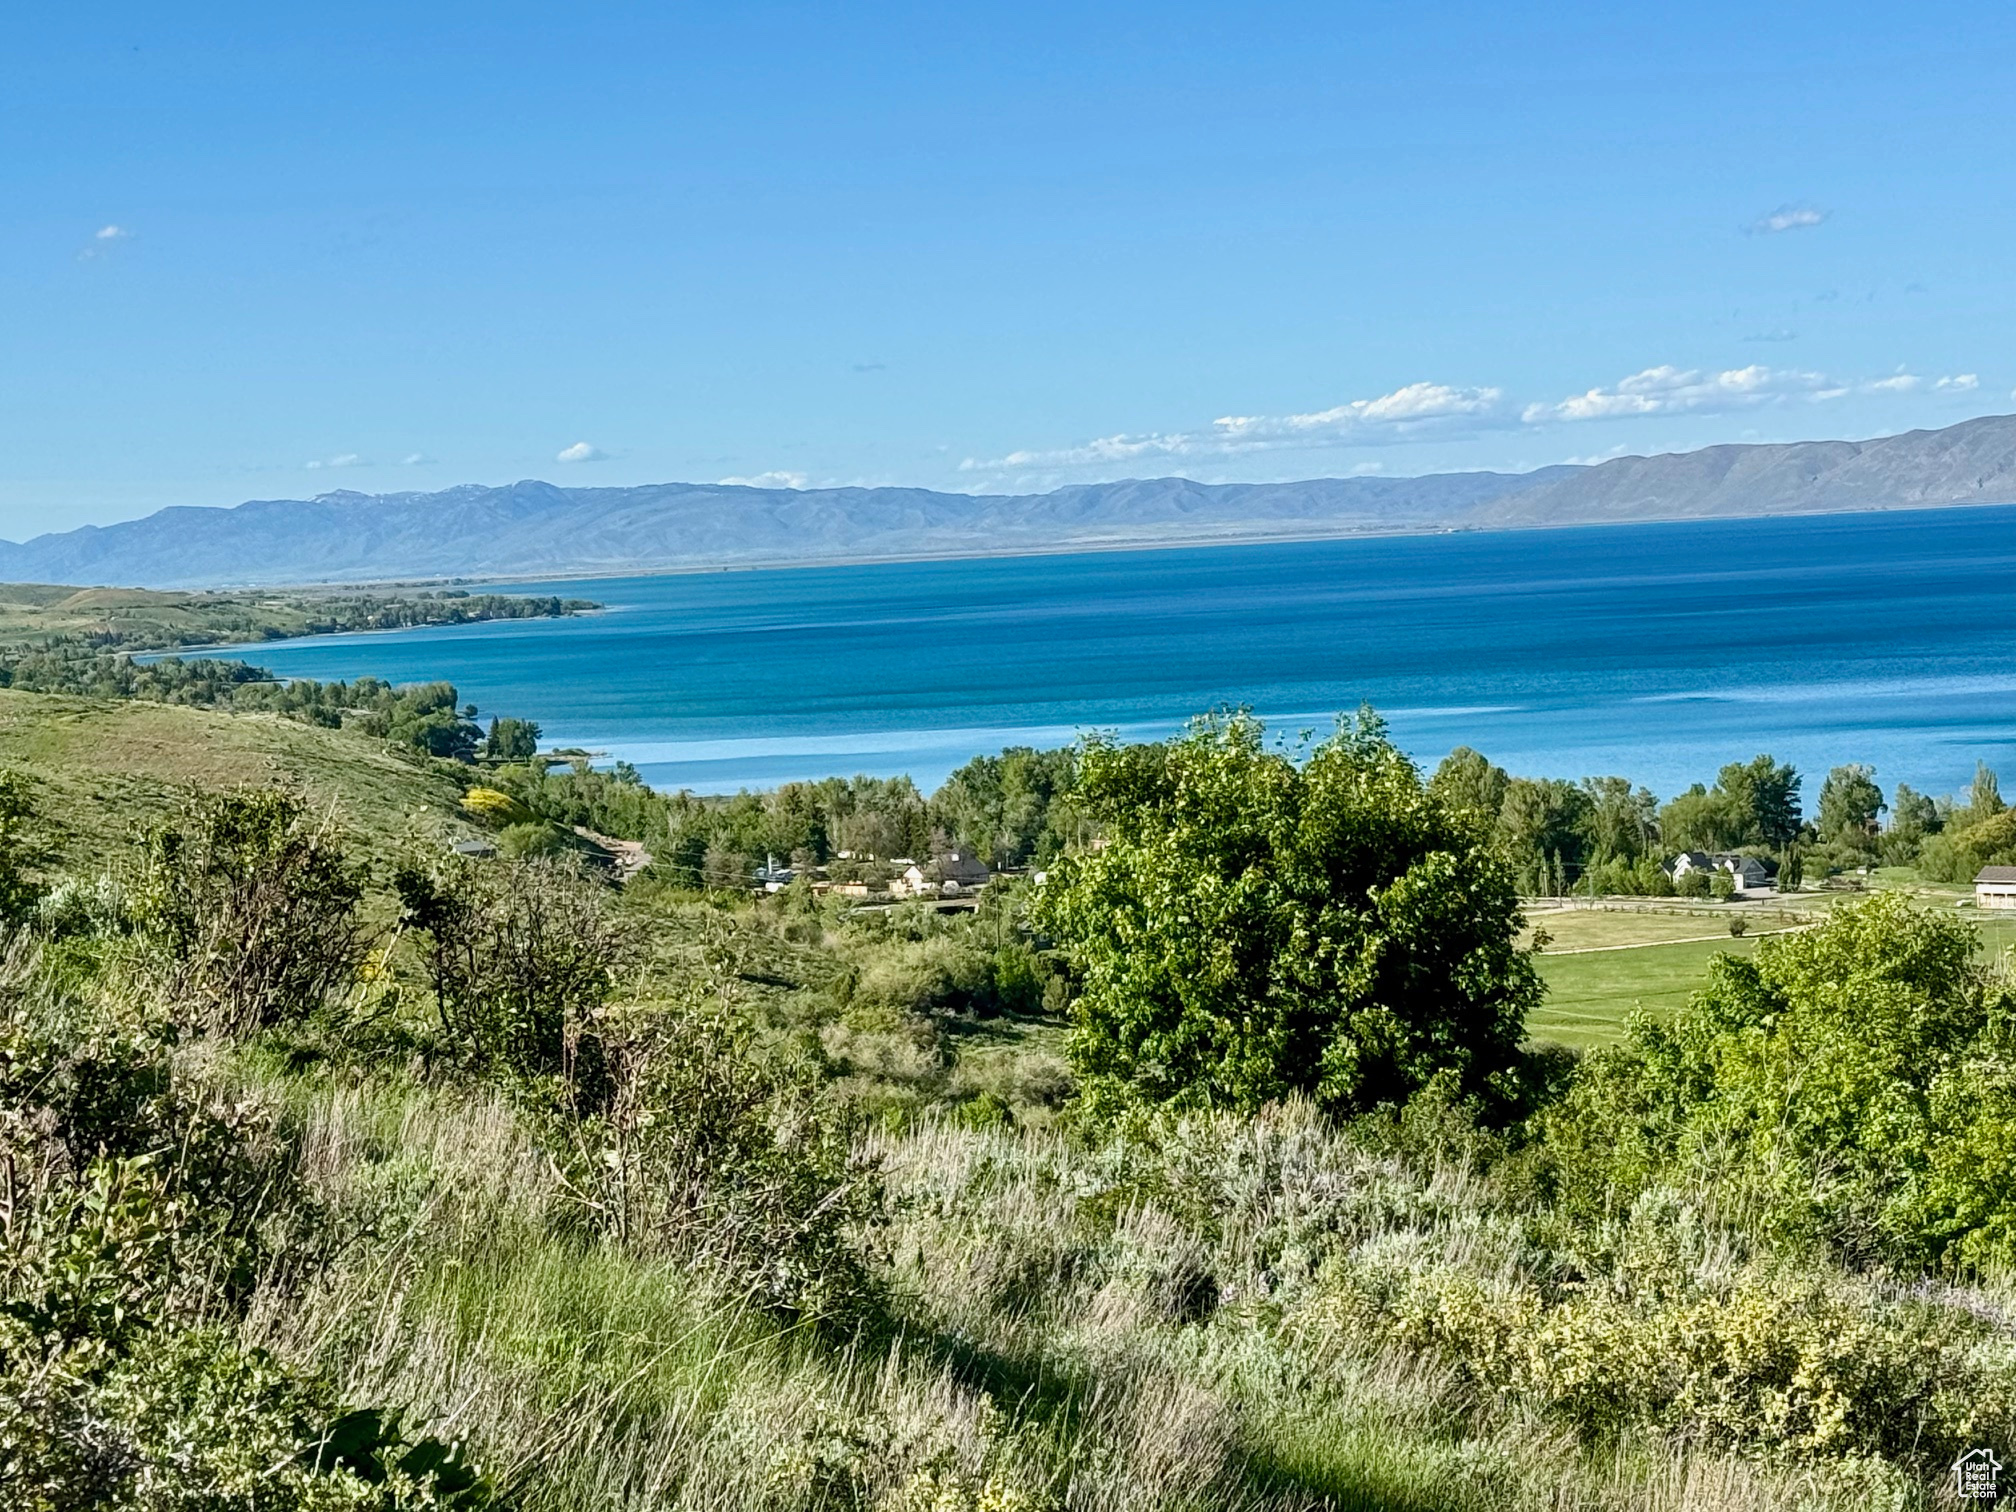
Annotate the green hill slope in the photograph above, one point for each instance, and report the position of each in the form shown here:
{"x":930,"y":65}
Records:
{"x":105,"y":769}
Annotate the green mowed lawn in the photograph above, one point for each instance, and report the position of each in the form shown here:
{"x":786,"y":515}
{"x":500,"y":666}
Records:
{"x":1590,"y":996}
{"x":1997,"y":933}
{"x":1599,"y":929}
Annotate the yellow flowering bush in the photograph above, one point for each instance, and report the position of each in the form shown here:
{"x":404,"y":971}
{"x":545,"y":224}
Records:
{"x":494,"y":807}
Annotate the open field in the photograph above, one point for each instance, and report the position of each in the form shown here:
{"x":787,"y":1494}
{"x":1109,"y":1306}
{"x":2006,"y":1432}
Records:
{"x":1998,"y":932}
{"x":1602,"y":964}
{"x":1589,"y":997}
{"x":1650,"y":921}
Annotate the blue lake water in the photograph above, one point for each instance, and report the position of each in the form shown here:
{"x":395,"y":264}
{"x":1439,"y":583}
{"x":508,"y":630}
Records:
{"x":1654,"y":651}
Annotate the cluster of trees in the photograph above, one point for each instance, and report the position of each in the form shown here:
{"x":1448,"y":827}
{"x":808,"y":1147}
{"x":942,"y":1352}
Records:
{"x":427,"y":717}
{"x":1015,"y":809}
{"x":1605,"y":835}
{"x":1027,"y":807}
{"x":447,"y":606}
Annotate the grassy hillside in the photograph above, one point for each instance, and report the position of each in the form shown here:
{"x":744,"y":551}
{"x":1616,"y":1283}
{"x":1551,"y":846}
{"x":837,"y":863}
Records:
{"x":103,"y":770}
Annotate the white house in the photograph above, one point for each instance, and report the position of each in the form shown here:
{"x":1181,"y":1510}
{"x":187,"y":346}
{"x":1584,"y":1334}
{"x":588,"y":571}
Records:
{"x":1747,"y":873}
{"x":948,"y":875}
{"x":1995,"y":887}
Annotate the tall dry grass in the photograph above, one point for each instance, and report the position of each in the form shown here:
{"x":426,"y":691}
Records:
{"x":1099,"y":1327}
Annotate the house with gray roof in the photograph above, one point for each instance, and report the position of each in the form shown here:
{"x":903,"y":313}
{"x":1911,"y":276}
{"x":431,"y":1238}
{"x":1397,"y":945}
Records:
{"x":1748,"y":874}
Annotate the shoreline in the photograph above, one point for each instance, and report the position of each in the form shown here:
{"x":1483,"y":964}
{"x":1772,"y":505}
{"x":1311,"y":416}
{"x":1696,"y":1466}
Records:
{"x":156,"y":653}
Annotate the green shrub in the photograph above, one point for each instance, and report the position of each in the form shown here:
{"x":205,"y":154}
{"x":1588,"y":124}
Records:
{"x":1623,"y":876}
{"x":251,"y":910}
{"x":949,"y":973}
{"x":138,"y":1216}
{"x":520,"y":958}
{"x":75,"y":909}
{"x":522,"y":842}
{"x":710,"y":1149}
{"x":1792,"y":1365}
{"x":1252,"y":928}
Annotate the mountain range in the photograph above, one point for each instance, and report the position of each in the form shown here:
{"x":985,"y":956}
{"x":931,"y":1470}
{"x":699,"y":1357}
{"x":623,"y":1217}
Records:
{"x":535,"y":529}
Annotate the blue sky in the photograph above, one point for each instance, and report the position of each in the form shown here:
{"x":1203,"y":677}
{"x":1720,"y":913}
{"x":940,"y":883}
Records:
{"x":256,"y":253}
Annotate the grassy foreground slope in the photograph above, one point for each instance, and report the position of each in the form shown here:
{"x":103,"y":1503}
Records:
{"x":553,"y":1196}
{"x":105,"y":769}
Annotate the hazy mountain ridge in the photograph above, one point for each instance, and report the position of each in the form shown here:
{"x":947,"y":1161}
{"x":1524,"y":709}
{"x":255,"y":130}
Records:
{"x":1973,"y":462}
{"x":536,"y":528}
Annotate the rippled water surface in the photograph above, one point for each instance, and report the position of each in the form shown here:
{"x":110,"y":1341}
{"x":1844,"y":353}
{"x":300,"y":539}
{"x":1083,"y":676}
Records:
{"x":1657,"y":651}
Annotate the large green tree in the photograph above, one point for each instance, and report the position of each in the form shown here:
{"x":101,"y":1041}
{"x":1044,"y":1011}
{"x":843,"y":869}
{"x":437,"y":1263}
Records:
{"x":1542,"y":825}
{"x":1754,"y":803}
{"x":1012,"y":808}
{"x":1467,"y":779}
{"x":1702,"y":820}
{"x":1251,"y":926}
{"x":1984,"y":799}
{"x":1766,"y":793}
{"x":1620,"y":822}
{"x":1850,"y":800}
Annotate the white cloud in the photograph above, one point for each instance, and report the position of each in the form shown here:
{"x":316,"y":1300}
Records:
{"x":348,"y":459}
{"x":1440,"y":412}
{"x":415,"y":459}
{"x":1416,"y":410}
{"x":1404,"y":411}
{"x":582,"y":451}
{"x":1669,"y":390}
{"x":770,"y":480}
{"x":1786,"y":218}
{"x":103,"y":240}
{"x":1901,"y":382}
